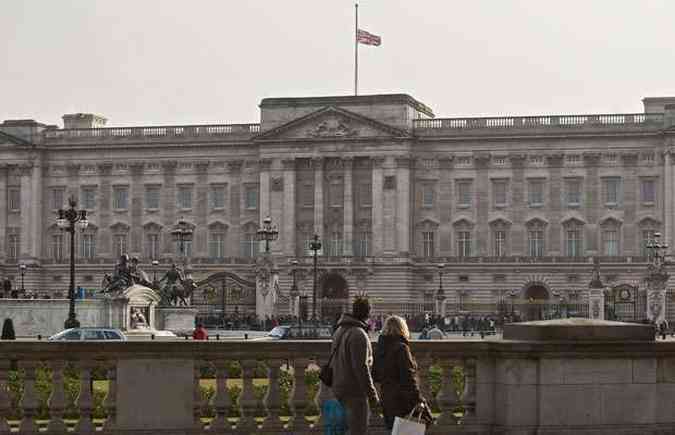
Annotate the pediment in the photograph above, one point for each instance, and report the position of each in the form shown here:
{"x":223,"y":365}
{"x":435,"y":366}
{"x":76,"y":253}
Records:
{"x":332,"y":123}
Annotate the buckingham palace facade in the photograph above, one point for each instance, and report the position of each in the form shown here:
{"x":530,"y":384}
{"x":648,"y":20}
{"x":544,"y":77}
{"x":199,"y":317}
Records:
{"x":512,"y":208}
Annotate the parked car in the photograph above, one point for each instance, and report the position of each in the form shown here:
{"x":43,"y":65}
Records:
{"x":301,"y":332}
{"x":80,"y":334}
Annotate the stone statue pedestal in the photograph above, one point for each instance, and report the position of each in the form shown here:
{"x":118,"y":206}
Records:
{"x":596,"y":304}
{"x":176,"y":319}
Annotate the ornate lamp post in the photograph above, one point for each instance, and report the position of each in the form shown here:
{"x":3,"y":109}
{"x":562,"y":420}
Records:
{"x":314,"y":245}
{"x":182,"y":233}
{"x":155,"y":263}
{"x":440,"y":294}
{"x":267,"y":233}
{"x":294,"y":293}
{"x":22,"y":269}
{"x":67,"y":221}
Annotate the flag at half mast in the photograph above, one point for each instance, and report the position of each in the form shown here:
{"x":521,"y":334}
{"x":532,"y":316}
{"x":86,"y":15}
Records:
{"x":363,"y":37}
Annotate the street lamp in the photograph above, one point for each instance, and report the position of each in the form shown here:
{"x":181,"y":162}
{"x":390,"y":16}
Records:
{"x":314,"y":245}
{"x":155,"y":263}
{"x":267,"y":233}
{"x":67,"y":221}
{"x":182,"y":233}
{"x":440,"y":294}
{"x":294,"y":293}
{"x":22,"y":268}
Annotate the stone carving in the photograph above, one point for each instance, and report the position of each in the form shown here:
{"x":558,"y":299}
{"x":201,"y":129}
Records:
{"x":176,"y":288}
{"x":333,"y":127}
{"x":277,"y":184}
{"x":127,"y":273}
{"x":138,"y":319}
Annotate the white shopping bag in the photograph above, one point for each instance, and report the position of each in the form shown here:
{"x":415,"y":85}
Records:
{"x":403,"y":426}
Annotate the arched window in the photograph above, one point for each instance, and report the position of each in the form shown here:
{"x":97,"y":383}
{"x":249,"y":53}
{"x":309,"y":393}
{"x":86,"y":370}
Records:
{"x":536,"y":238}
{"x":573,"y":231}
{"x":610,"y":234}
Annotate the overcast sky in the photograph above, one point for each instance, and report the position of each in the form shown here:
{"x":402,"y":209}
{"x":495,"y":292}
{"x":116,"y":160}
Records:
{"x":194,"y":62}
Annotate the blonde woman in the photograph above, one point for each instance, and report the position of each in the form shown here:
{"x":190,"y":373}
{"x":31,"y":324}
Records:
{"x":395,"y":370}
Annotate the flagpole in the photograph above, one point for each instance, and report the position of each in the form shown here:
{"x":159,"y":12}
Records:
{"x":356,"y":50}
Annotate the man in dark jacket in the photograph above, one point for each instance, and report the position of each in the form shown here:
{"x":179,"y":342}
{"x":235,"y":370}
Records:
{"x":352,"y":381}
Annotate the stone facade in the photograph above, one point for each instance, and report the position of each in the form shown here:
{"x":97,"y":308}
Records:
{"x":515,"y":207}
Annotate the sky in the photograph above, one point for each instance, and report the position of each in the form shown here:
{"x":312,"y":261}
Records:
{"x":173,"y":62}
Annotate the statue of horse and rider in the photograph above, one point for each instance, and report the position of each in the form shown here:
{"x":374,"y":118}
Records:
{"x":174,"y":287}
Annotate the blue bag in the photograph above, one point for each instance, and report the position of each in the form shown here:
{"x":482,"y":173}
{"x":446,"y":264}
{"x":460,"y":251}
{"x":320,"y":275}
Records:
{"x":334,"y":417}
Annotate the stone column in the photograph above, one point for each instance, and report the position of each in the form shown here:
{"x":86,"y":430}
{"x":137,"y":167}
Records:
{"x":136,"y":190}
{"x":27,"y":205}
{"x":104,"y":245}
{"x":264,"y":174}
{"x":377,"y":210}
{"x":403,"y":201}
{"x":3,"y":211}
{"x":168,"y":201}
{"x":234,"y":232}
{"x":201,"y":210}
{"x":317,"y":164}
{"x":348,"y":221}
{"x":668,"y":196}
{"x":287,"y":228}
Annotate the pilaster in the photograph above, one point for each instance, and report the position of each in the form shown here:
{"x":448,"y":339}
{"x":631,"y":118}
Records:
{"x":201,"y":209}
{"x":668,"y":196}
{"x":136,"y":190}
{"x":234,"y":232}
{"x":288,"y":219}
{"x":104,"y":246}
{"x":3,"y":211}
{"x":168,"y":202}
{"x":317,"y":164}
{"x":403,"y":201}
{"x":348,"y":221}
{"x":27,"y":201}
{"x":264,"y":175}
{"x":377,"y":210}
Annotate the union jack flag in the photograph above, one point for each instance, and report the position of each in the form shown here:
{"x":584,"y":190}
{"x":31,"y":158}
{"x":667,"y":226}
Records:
{"x":366,"y":38}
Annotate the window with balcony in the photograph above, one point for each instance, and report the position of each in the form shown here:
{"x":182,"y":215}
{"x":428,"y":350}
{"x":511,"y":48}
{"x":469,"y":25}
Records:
{"x":57,"y":197}
{"x":184,"y":199}
{"x":217,"y":197}
{"x":535,"y":193}
{"x":361,"y":244}
{"x":573,"y":192}
{"x":88,"y":197}
{"x":120,"y":197}
{"x":334,"y":244}
{"x":464,"y":244}
{"x":152,"y":197}
{"x":612,"y":191}
{"x":464,"y":191}
{"x":648,"y":191}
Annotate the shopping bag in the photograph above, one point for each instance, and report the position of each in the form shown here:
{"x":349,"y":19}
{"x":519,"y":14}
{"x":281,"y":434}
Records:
{"x":334,"y":417}
{"x":409,"y":425}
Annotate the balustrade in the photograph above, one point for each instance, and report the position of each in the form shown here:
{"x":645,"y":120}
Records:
{"x":461,"y":380}
{"x":118,"y":133}
{"x":532,"y":122}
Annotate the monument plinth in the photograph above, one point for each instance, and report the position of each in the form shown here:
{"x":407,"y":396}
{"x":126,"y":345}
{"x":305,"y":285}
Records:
{"x":578,"y":329}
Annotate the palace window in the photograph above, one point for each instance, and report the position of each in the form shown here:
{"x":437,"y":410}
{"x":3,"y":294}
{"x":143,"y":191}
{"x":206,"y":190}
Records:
{"x":217,"y":196}
{"x":120,"y":198}
{"x":573,"y":192}
{"x":249,"y":243}
{"x":535,"y":243}
{"x":13,"y":245}
{"x":427,"y":195}
{"x":88,"y":197}
{"x":573,"y":239}
{"x":334,"y":245}
{"x":57,"y":248}
{"x":57,"y":197}
{"x":14,"y":198}
{"x":648,"y":190}
{"x":184,"y":197}
{"x":361,"y":244}
{"x":499,"y":246}
{"x":535,"y":193}
{"x":335,"y":194}
{"x":119,"y":244}
{"x":152,"y":197}
{"x":184,"y":248}
{"x":217,"y":245}
{"x":152,"y":245}
{"x":366,"y":195}
{"x":252,"y":197}
{"x":464,"y":188}
{"x":610,"y":242}
{"x":464,"y":244}
{"x":428,"y":244}
{"x":612,"y":188}
{"x":88,"y":245}
{"x":307,"y":195}
{"x":647,"y":230}
{"x":499,"y":192}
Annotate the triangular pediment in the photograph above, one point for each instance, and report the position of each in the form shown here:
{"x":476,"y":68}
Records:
{"x":332,"y":123}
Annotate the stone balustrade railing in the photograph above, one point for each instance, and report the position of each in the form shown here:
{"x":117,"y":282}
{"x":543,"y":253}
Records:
{"x":148,"y":133}
{"x":475,"y":386}
{"x":632,"y":120}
